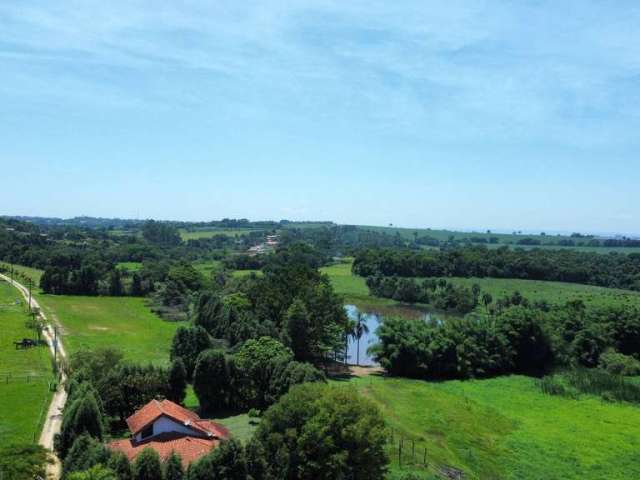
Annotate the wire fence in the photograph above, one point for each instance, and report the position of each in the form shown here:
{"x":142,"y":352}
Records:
{"x":8,"y":377}
{"x":408,"y":453}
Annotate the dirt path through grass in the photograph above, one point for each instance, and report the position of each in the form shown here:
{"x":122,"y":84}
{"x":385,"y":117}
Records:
{"x":53,"y":421}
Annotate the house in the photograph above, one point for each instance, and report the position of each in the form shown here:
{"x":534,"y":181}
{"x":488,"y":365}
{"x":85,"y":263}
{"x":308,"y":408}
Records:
{"x":165,"y":427}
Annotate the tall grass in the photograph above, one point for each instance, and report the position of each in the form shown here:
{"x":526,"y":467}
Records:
{"x":592,"y":382}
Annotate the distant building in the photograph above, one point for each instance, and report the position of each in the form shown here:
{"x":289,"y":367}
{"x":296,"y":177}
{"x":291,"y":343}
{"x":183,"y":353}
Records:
{"x":167,"y":427}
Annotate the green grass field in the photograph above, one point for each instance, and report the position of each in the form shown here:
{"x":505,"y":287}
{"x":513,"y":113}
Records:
{"x":205,"y":268}
{"x":355,"y":290}
{"x":240,"y":426}
{"x":352,"y":287}
{"x":547,"y":241}
{"x":505,"y":428}
{"x":24,"y":374}
{"x":210,"y":232}
{"x":122,"y":322}
{"x":130,"y":266}
{"x":552,"y":292}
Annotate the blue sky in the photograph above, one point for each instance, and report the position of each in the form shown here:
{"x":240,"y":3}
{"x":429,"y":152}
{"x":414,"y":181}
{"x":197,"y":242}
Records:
{"x":497,"y":114}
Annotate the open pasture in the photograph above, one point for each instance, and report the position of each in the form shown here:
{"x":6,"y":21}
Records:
{"x":552,"y":292}
{"x":24,"y":373}
{"x":122,"y":322}
{"x":355,"y":290}
{"x":506,"y":428}
{"x":211,"y":232}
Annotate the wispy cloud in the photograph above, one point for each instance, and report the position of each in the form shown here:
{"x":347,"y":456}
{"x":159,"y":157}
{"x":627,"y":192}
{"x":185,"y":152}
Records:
{"x":563,"y":71}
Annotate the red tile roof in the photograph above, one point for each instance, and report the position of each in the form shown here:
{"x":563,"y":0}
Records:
{"x":155,"y":409}
{"x":206,"y":433}
{"x":189,"y":448}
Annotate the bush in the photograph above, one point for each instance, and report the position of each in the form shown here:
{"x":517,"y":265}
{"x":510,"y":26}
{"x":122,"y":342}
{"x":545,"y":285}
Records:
{"x":619,"y":364}
{"x":592,"y":382}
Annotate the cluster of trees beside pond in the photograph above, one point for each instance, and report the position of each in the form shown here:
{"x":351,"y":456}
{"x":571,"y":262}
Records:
{"x":522,"y":338}
{"x":439,"y":293}
{"x":607,"y":270}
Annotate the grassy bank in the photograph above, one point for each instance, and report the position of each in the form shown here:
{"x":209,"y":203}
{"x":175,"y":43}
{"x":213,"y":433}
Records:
{"x":505,"y":428}
{"x":353,"y":288}
{"x":24,"y":374}
{"x":122,"y":322}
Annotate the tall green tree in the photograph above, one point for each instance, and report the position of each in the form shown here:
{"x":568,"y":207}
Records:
{"x":177,"y":381}
{"x":225,"y":462}
{"x":120,"y":464}
{"x":187,"y":344}
{"x":147,"y":466}
{"x":321,"y":432}
{"x":297,"y":330}
{"x":173,"y":467}
{"x":211,"y":381}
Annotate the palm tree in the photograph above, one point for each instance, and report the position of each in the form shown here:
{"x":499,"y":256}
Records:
{"x":348,"y":332}
{"x":359,"y":329}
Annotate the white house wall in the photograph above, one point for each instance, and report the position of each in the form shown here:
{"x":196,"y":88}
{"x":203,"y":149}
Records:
{"x":164,"y":425}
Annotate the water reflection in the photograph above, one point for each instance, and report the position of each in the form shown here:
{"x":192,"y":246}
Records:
{"x":373,"y":319}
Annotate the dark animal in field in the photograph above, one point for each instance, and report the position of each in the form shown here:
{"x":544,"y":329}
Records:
{"x":25,"y":343}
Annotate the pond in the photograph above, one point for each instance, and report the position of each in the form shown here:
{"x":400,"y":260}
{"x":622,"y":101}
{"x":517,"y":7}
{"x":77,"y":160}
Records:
{"x":357,"y":351}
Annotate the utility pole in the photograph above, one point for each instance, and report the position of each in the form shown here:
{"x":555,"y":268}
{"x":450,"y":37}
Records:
{"x":30,"y":283}
{"x":55,"y":344}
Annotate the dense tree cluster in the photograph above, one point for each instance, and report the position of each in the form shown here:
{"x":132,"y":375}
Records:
{"x":161,"y":233}
{"x":520,"y":338}
{"x":439,"y":293}
{"x":254,"y":377}
{"x":607,"y":270}
{"x":323,"y":432}
{"x":292,"y":301}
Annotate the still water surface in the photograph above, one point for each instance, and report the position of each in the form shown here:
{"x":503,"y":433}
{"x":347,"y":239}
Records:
{"x":373,"y":319}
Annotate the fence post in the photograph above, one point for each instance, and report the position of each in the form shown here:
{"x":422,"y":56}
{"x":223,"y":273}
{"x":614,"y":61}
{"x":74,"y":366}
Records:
{"x":400,"y":451}
{"x":424,"y":458}
{"x":413,"y":451}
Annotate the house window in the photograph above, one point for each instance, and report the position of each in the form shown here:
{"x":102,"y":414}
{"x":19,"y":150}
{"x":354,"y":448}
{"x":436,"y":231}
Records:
{"x":147,"y":432}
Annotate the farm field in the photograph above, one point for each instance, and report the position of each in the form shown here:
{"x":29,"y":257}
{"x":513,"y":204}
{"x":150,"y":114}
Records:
{"x":210,"y":232}
{"x":547,"y":241}
{"x":505,"y":428}
{"x":24,"y":374}
{"x":122,"y":322}
{"x":553,"y":292}
{"x":355,"y":289}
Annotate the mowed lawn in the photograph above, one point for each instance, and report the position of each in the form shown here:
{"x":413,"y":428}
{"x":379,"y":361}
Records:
{"x":24,"y":374}
{"x":122,"y":322}
{"x":505,"y":428}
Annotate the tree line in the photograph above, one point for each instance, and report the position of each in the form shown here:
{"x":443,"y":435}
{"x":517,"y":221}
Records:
{"x":521,"y":337}
{"x":606,"y":270}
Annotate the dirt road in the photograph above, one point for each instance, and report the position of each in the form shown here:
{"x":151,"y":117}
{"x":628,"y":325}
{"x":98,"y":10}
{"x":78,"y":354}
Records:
{"x":53,"y":422}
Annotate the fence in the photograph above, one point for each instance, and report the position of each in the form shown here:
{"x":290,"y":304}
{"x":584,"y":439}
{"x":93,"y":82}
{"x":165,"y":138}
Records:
{"x":9,"y":377}
{"x":407,"y":452}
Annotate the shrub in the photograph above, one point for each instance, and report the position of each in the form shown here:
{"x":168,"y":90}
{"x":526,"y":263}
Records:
{"x":619,"y":364}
